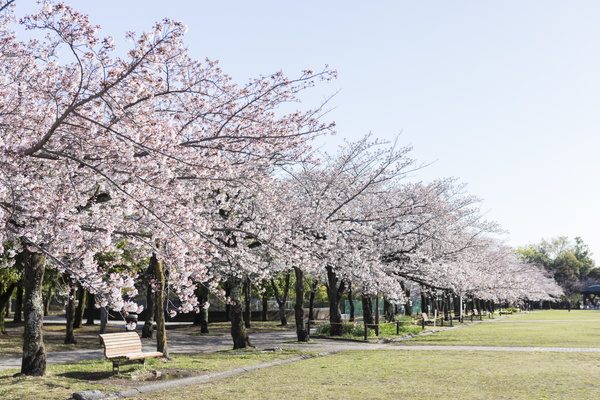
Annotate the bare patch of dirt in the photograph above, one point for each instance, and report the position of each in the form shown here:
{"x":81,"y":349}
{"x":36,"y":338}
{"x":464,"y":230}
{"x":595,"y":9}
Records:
{"x":140,"y":378}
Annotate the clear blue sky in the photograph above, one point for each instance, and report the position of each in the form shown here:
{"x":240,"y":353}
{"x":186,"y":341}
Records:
{"x":503,"y":95}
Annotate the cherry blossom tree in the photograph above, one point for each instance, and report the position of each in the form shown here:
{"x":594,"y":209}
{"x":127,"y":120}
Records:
{"x":333,"y":215}
{"x":96,"y":146}
{"x":363,"y":225}
{"x":447,"y":247}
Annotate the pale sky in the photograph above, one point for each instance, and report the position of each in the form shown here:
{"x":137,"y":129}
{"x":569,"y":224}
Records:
{"x":504,"y":95}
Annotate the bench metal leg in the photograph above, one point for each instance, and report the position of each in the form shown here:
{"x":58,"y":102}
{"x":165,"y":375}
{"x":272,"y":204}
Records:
{"x":117,"y":364}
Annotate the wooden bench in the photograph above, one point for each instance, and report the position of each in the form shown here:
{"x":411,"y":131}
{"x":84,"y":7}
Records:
{"x":125,"y":348}
{"x":476,"y":313}
{"x":425,"y":320}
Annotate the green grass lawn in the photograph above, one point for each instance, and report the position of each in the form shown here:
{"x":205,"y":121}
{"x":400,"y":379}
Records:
{"x":554,"y":328}
{"x":412,"y":375}
{"x":554,"y":315}
{"x":397,"y":373}
{"x":62,"y":380}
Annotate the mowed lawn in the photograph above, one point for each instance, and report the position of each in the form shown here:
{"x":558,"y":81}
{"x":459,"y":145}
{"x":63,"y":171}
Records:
{"x":552,"y":328}
{"x":399,"y":372}
{"x":414,"y":374}
{"x":407,"y":373}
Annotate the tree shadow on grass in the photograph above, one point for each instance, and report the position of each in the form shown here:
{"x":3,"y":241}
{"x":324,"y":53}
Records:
{"x":88,"y":376}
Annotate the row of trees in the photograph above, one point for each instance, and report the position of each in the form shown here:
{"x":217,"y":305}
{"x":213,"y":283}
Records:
{"x":155,"y":156}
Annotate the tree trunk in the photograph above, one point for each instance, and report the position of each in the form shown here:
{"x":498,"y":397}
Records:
{"x":227,"y":305}
{"x":282,"y":298}
{"x":4,"y":300}
{"x":238,"y":328}
{"x":388,"y":310}
{"x":247,"y":306}
{"x":148,"y":328}
{"x":161,"y":329}
{"x":456,"y":303}
{"x":103,"y":320}
{"x":424,"y":307}
{"x":335,"y":289}
{"x":408,"y":304}
{"x":202,"y":316}
{"x":34,"y":353}
{"x":47,"y":301}
{"x":311,"y":300}
{"x":7,"y":308}
{"x":351,"y":303}
{"x":265,"y":307}
{"x":367,"y":305}
{"x":81,"y":295}
{"x":446,"y":307}
{"x":18,"y":317}
{"x":70,"y":313}
{"x":301,"y":331}
{"x":2,"y":321}
{"x":89,"y":311}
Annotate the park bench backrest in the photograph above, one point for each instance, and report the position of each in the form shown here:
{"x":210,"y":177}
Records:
{"x":120,"y":344}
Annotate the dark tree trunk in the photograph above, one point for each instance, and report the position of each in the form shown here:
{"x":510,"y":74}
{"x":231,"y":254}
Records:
{"x":265,"y":307}
{"x":228,"y":306}
{"x":408,"y":304}
{"x":81,"y":296}
{"x":34,"y":353}
{"x":18,"y":317}
{"x":446,"y":307}
{"x":238,"y":328}
{"x":247,"y":306}
{"x":311,"y":300}
{"x":148,"y":328}
{"x":47,"y":301}
{"x":424,"y":305}
{"x":161,"y":329}
{"x":389,"y":310}
{"x":335,"y":289}
{"x":103,"y":320}
{"x":89,"y":311}
{"x":351,"y":302}
{"x":70,"y":314}
{"x":456,"y":303}
{"x":301,"y":331}
{"x":7,"y":308}
{"x":367,"y":305}
{"x":282,"y":298}
{"x":2,"y":320}
{"x":201,"y":318}
{"x":4,"y":300}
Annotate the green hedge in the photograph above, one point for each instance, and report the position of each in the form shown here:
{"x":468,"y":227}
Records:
{"x":353,"y":330}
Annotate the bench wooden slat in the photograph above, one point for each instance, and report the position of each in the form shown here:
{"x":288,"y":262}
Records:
{"x":121,"y":340}
{"x":123,"y":347}
{"x":137,"y":356}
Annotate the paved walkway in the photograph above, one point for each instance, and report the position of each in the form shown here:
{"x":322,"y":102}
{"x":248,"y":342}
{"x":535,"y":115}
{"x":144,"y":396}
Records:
{"x":184,"y":343}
